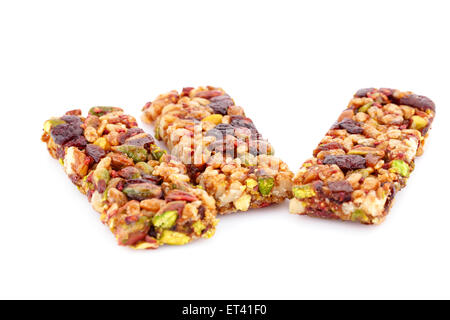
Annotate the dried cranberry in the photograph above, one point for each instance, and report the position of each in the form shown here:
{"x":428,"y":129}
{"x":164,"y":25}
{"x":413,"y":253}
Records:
{"x":387,"y":92}
{"x":390,"y":198}
{"x":141,"y":140}
{"x":346,"y":162}
{"x":101,"y":186}
{"x":120,"y":185}
{"x":193,"y":171}
{"x":341,"y":191}
{"x":416,"y":101}
{"x":89,"y":194}
{"x":328,"y":146}
{"x":201,"y":212}
{"x":95,"y":152}
{"x":79,"y":142}
{"x":71,"y":119}
{"x":60,"y":152}
{"x":363,"y":92}
{"x":350,"y":125}
{"x":220,"y":104}
{"x":241,"y":121}
{"x":186,"y":91}
{"x":128,"y":134}
{"x":221,"y":130}
{"x":65,"y":132}
{"x":318,"y":186}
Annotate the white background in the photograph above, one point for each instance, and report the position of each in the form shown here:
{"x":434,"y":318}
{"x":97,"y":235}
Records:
{"x":293,"y":66}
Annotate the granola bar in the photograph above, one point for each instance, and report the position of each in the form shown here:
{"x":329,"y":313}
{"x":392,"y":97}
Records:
{"x":223,"y":150}
{"x":365,"y":158}
{"x":143,"y":195}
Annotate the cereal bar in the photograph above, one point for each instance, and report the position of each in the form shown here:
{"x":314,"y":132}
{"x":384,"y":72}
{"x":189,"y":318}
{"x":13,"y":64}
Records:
{"x":143,"y":195}
{"x":223,"y":150}
{"x":365,"y":158}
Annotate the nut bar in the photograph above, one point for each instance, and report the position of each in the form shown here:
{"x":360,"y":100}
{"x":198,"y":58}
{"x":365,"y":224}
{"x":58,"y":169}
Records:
{"x":224,"y":152}
{"x":142,"y":194}
{"x":365,"y":158}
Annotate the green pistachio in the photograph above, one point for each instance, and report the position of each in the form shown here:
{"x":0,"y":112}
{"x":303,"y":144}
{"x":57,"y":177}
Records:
{"x":142,"y":191}
{"x":304,"y":191}
{"x":156,"y":152}
{"x":365,"y":107}
{"x":360,"y":215}
{"x":165,"y":220}
{"x":174,"y":238}
{"x":198,"y":227}
{"x":265,"y":185}
{"x":248,"y":160}
{"x":101,"y":174}
{"x":144,"y":168}
{"x":134,"y":152}
{"x":401,"y":167}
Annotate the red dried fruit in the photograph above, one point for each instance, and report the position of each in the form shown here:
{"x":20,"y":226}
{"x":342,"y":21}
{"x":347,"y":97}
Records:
{"x":416,"y":101}
{"x":66,"y":132}
{"x":101,"y":186}
{"x":140,"y":140}
{"x":193,"y":171}
{"x":175,"y":195}
{"x":128,"y":134}
{"x":220,"y":131}
{"x":346,"y":162}
{"x":221,"y":103}
{"x":341,"y":191}
{"x":185,"y":92}
{"x":79,"y":142}
{"x":328,"y":146}
{"x":361,"y":93}
{"x":201,"y":212}
{"x":387,"y":92}
{"x":241,"y":121}
{"x":350,"y":125}
{"x":95,"y":152}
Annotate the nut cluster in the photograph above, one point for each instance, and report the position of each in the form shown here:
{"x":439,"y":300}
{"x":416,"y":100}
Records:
{"x":142,"y":194}
{"x":226,"y":154}
{"x":365,"y":158}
